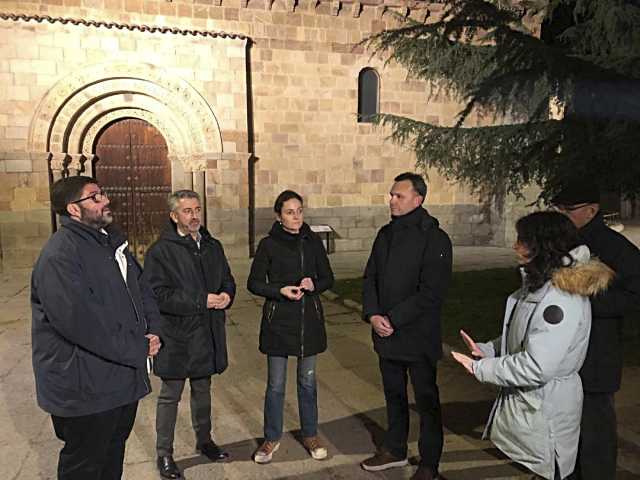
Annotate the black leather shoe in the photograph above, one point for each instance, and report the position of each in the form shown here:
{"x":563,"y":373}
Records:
{"x":213,"y":452}
{"x":168,"y":468}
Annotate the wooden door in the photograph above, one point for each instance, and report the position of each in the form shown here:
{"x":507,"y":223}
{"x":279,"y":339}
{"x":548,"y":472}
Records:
{"x":133,"y":169}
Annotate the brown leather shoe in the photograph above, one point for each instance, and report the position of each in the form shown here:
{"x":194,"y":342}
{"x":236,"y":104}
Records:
{"x":315,"y":448}
{"x":424,"y":473}
{"x":383,"y":460}
{"x":264,"y":454}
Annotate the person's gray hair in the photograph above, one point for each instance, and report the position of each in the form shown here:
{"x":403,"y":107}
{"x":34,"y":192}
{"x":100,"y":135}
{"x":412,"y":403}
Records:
{"x":175,"y":197}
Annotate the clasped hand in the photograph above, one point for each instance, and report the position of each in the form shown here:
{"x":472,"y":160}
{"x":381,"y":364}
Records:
{"x":218,"y":302}
{"x":381,"y":325}
{"x":295,"y":293}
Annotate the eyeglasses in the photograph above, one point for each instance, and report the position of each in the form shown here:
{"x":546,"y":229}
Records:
{"x":97,"y":197}
{"x":570,"y":208}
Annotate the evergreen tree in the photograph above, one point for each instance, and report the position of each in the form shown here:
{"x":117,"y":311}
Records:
{"x":584,"y":56}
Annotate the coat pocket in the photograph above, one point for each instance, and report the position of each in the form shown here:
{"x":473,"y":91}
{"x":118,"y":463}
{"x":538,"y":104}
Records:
{"x":318,"y":308}
{"x":270,"y":311}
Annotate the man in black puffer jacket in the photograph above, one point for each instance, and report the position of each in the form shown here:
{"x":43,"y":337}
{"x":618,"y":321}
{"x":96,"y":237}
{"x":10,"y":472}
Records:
{"x":601,"y":373}
{"x":405,"y":283}
{"x":190,"y":275}
{"x":93,"y":325}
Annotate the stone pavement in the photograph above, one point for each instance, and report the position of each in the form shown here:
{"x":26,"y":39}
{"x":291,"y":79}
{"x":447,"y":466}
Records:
{"x":351,"y":402}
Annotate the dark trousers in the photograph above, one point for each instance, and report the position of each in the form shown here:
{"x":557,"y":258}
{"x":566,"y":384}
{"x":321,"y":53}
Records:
{"x":598,"y":446}
{"x":167,"y":412}
{"x":94,"y":444}
{"x":423,"y":380}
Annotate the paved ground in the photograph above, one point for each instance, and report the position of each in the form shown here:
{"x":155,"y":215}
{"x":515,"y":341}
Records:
{"x":350,"y":398}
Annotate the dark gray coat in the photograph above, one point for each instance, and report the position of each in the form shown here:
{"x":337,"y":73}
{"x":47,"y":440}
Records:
{"x":291,"y":327}
{"x":406,"y":278}
{"x":602,"y":369}
{"x":88,"y":325}
{"x":194,"y":342}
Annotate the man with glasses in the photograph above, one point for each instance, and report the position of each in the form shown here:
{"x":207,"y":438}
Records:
{"x":190,"y":275}
{"x":93,"y":319}
{"x":601,"y":373}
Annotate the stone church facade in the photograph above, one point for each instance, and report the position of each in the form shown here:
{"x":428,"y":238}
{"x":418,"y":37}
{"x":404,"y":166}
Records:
{"x":246,"y":97}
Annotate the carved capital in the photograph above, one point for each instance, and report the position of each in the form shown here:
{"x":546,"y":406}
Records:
{"x":75,"y":163}
{"x":334,"y":7}
{"x":57,"y":161}
{"x":356,"y":9}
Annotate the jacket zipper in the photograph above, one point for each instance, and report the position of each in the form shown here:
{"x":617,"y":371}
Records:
{"x":315,"y":302}
{"x":272,"y":310}
{"x":138,"y":317}
{"x":303,"y":298}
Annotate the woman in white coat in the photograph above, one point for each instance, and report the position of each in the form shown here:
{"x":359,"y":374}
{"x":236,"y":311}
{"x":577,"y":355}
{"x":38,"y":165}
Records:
{"x":536,"y":418}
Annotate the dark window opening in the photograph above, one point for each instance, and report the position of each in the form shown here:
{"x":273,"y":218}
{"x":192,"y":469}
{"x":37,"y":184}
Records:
{"x":368,"y":91}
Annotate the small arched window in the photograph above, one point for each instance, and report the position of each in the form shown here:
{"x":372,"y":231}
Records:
{"x":368,"y":93}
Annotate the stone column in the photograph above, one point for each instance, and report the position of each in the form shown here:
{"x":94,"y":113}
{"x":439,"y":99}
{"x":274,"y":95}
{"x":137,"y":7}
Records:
{"x":198,"y":168}
{"x":88,"y":164}
{"x":186,"y":163}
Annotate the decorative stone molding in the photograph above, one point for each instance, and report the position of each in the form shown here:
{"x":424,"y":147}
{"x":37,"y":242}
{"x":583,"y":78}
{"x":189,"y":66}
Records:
{"x":64,"y":118}
{"x":174,"y":133}
{"x":57,"y":163}
{"x":334,"y":7}
{"x":291,"y":5}
{"x":121,"y":26}
{"x":356,"y":9}
{"x":76,"y":163}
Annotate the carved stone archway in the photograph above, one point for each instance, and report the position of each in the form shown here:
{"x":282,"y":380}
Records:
{"x":70,"y":117}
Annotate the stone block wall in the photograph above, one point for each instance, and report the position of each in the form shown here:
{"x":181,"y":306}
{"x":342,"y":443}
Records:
{"x":285,"y":104}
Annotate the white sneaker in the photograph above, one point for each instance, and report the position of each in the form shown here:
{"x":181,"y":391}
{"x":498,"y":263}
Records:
{"x":264,"y":454}
{"x":315,"y":448}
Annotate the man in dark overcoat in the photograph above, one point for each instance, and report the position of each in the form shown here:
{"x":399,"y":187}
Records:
{"x":94,"y":324}
{"x":601,"y":372}
{"x":405,"y":282}
{"x":191,"y":278}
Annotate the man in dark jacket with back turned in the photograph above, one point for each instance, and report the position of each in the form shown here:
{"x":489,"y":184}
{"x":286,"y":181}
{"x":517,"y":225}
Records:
{"x":601,"y":373}
{"x":405,"y":282}
{"x":190,"y":275}
{"x":92,"y":324}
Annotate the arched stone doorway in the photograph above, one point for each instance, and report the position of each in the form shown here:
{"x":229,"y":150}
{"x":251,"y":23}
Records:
{"x":132,"y":166}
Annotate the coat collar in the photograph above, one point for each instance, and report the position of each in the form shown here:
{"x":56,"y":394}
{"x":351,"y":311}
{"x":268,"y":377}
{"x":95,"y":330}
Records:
{"x":418,"y":217}
{"x":113,"y":238}
{"x":171,"y":234}
{"x":590,"y":229}
{"x":278,"y":232}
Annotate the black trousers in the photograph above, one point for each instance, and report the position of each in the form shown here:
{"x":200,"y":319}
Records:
{"x":167,"y":412}
{"x":598,"y":447}
{"x":94,"y":444}
{"x":423,"y":379}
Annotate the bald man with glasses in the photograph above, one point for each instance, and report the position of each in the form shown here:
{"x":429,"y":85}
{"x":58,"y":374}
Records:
{"x":93,"y":324}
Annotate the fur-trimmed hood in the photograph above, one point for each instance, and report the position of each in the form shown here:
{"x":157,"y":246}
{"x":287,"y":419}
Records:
{"x":587,"y":276}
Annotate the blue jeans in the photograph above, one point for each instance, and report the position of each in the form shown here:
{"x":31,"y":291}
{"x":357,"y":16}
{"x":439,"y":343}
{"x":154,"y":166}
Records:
{"x":274,"y":397}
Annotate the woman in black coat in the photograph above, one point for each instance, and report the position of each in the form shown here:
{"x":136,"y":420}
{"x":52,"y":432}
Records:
{"x":291,"y":270}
